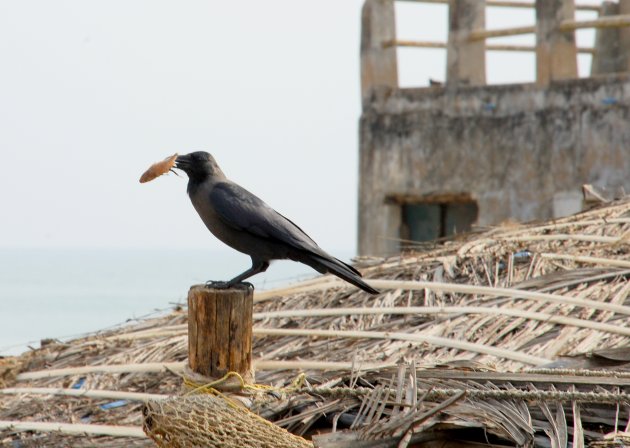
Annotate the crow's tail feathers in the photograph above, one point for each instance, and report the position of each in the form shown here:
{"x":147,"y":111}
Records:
{"x":340,"y":269}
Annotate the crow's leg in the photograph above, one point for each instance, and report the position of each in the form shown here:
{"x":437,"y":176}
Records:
{"x":257,"y":267}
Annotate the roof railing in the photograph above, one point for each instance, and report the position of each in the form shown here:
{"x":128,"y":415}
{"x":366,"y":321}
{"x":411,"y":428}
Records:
{"x":556,"y":49}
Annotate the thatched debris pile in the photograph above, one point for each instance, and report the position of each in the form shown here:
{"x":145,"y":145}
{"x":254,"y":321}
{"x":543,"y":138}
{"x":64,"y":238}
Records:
{"x":480,"y":339}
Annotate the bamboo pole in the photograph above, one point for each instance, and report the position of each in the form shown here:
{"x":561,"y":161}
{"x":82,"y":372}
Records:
{"x":481,"y":34}
{"x":89,"y":393}
{"x":411,"y":337}
{"x":328,"y":281}
{"x":177,"y":367}
{"x":489,"y":47}
{"x":74,"y":428}
{"x":171,"y":330}
{"x":531,"y":48}
{"x":500,"y":292}
{"x":150,"y":367}
{"x":310,"y":364}
{"x":507,"y":4}
{"x":617,"y":21}
{"x":421,"y":310}
{"x":466,"y":289}
{"x":588,"y":259}
{"x":415,"y":43}
{"x":560,"y":225}
{"x":564,"y":237}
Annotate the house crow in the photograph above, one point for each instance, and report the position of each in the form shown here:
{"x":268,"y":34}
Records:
{"x":244,"y":222}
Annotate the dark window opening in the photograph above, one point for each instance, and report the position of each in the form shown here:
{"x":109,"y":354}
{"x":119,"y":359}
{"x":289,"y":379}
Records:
{"x":430,"y":221}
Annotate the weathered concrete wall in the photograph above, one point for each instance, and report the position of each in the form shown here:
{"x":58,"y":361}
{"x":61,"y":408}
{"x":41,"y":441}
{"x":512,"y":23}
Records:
{"x":514,"y":149}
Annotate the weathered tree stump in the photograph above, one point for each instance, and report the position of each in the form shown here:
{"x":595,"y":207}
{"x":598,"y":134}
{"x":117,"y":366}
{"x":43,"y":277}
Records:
{"x":220,"y":331}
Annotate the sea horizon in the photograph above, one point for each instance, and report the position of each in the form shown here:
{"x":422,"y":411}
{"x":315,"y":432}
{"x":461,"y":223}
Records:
{"x":64,"y":293}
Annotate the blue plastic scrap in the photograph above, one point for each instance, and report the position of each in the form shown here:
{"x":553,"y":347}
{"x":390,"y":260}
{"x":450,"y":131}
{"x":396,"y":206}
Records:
{"x":522,"y":255}
{"x":79,"y":384}
{"x":609,"y":101}
{"x":113,"y":404}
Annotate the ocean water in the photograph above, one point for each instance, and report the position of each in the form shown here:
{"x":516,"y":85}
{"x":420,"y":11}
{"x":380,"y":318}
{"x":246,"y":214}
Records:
{"x":64,"y":293}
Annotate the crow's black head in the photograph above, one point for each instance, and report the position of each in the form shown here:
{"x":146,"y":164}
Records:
{"x":198,"y":166}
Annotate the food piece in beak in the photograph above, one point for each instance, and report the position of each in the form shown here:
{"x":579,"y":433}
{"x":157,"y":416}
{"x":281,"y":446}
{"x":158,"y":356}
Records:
{"x":158,"y":168}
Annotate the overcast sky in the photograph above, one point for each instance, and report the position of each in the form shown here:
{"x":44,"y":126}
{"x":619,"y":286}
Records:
{"x":91,"y":93}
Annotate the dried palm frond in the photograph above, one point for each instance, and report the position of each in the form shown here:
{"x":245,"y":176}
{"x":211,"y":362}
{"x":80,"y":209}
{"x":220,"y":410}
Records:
{"x":517,"y":334}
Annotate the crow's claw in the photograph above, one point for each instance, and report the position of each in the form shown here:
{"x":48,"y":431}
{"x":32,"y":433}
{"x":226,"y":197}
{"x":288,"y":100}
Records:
{"x":217,"y":284}
{"x":227,"y":285}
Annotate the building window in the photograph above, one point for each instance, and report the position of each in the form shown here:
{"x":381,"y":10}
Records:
{"x":427,"y":221}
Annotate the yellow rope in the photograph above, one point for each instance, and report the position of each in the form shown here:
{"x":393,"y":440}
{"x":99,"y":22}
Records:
{"x":296,"y":384}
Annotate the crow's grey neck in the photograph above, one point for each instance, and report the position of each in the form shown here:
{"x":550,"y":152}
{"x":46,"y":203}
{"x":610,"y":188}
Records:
{"x":194,"y":184}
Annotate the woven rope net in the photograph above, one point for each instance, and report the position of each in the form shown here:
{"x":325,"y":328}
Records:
{"x":212,"y":421}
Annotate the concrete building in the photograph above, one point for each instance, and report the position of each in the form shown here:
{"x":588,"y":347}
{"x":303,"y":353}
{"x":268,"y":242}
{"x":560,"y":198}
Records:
{"x":436,"y":161}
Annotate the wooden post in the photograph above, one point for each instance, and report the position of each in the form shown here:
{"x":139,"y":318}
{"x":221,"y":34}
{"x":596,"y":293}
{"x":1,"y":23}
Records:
{"x":607,"y":58}
{"x":556,"y":52}
{"x":220,"y":331}
{"x":466,"y":58}
{"x":379,"y":66}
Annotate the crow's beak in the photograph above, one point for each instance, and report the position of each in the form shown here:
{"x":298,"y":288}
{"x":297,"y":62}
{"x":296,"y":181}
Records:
{"x":182,"y":162}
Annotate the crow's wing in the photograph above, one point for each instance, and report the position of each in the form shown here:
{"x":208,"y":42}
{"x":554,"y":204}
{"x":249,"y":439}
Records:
{"x":245,"y":212}
{"x":242,"y":210}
